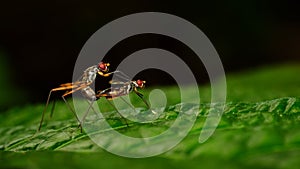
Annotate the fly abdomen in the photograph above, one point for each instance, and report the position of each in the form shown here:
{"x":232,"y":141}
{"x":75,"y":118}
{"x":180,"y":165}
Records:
{"x":89,"y":93}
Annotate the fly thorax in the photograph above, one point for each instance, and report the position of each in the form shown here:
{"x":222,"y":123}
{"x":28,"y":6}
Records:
{"x":130,"y":87}
{"x":90,"y":74}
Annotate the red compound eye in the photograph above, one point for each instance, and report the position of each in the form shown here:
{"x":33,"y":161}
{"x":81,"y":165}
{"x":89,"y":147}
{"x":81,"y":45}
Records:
{"x":102,"y":66}
{"x":140,"y":82}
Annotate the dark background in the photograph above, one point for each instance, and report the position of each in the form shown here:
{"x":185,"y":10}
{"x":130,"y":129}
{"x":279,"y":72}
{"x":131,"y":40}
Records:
{"x":40,"y":40}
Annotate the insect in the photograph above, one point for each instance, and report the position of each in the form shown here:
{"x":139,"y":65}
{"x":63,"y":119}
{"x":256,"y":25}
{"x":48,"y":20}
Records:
{"x":83,"y":85}
{"x":124,"y":88}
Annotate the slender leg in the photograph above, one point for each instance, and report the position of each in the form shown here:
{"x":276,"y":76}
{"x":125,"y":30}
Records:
{"x":118,"y":112}
{"x":123,"y":75}
{"x":128,"y":104}
{"x":77,"y":88}
{"x":101,"y":92}
{"x":72,"y":110}
{"x":70,"y":92}
{"x":92,"y":106}
{"x":142,"y":97}
{"x":67,"y":86}
{"x":146,"y":103}
{"x":47,"y":103}
{"x":42,"y":119}
{"x":87,"y":112}
{"x":73,"y":84}
{"x":52,"y":109}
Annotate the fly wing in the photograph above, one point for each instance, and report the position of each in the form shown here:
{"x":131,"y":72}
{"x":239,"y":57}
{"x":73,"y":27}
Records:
{"x":115,"y":82}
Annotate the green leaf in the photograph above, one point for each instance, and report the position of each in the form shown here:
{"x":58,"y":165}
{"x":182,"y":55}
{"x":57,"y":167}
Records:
{"x":259,"y":128}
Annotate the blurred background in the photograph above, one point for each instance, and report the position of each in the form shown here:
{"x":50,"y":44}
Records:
{"x":40,"y":40}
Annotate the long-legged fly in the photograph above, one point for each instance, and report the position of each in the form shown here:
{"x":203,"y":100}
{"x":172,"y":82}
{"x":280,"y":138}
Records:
{"x":124,"y":88}
{"x":83,"y":85}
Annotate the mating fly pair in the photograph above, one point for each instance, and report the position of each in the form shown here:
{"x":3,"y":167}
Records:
{"x":83,"y":85}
